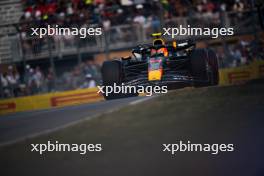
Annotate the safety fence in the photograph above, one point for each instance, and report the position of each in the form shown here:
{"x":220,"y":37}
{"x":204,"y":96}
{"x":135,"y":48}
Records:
{"x":228,"y":76}
{"x":17,"y":46}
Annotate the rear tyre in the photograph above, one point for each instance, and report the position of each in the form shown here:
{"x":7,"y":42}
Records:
{"x":198,"y":60}
{"x":213,"y":63}
{"x":204,"y":67}
{"x":111,"y":73}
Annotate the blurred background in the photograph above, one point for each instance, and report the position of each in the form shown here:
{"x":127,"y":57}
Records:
{"x":30,"y":65}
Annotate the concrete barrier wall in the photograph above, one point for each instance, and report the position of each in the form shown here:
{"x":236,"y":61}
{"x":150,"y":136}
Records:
{"x":242,"y":74}
{"x":49,"y":100}
{"x":228,"y":76}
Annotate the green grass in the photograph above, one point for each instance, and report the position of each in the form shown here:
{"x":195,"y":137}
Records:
{"x":132,"y":137}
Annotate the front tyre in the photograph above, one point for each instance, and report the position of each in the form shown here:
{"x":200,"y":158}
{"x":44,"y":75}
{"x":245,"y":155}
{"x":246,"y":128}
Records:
{"x":112,"y":74}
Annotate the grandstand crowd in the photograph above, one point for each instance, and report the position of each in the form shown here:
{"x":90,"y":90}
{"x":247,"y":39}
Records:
{"x":35,"y":80}
{"x":116,"y":12}
{"x":108,"y":13}
{"x":122,"y":11}
{"x":240,"y":53}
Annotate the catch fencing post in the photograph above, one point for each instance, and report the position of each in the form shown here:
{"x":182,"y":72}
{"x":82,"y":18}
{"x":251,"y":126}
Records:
{"x":52,"y":64}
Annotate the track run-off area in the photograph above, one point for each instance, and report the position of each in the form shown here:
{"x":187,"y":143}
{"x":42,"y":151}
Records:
{"x":133,"y":130}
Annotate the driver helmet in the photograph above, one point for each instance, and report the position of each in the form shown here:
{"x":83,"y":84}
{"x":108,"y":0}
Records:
{"x":159,"y":42}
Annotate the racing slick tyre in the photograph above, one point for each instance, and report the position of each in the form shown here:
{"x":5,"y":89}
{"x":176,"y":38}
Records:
{"x":112,"y":73}
{"x":204,"y":67}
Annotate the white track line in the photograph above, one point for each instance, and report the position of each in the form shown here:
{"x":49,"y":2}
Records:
{"x":48,"y":131}
{"x":142,"y":100}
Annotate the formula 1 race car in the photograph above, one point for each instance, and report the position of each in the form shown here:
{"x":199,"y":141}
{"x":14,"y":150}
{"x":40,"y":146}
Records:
{"x":162,"y":64}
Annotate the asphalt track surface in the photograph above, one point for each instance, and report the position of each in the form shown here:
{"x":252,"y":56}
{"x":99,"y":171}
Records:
{"x":19,"y":126}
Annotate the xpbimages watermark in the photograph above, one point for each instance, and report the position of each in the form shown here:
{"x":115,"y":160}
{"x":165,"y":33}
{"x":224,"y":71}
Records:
{"x":61,"y":31}
{"x":188,"y":146}
{"x":60,"y":147}
{"x":124,"y":89}
{"x":197,"y":31}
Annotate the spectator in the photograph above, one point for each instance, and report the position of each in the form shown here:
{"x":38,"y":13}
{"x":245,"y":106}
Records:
{"x":76,"y":78}
{"x":26,"y":74}
{"x":32,"y":85}
{"x":106,"y":24}
{"x":155,"y":23}
{"x":89,"y":82}
{"x":13,"y":79}
{"x":126,"y":2}
{"x":93,"y":69}
{"x":223,"y":7}
{"x":39,"y":79}
{"x":50,"y":80}
{"x":139,"y":19}
{"x":238,"y":6}
{"x":5,"y":85}
{"x":208,"y":9}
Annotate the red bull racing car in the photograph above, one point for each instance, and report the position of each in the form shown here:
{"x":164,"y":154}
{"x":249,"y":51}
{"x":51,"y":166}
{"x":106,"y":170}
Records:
{"x":163,"y":64}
